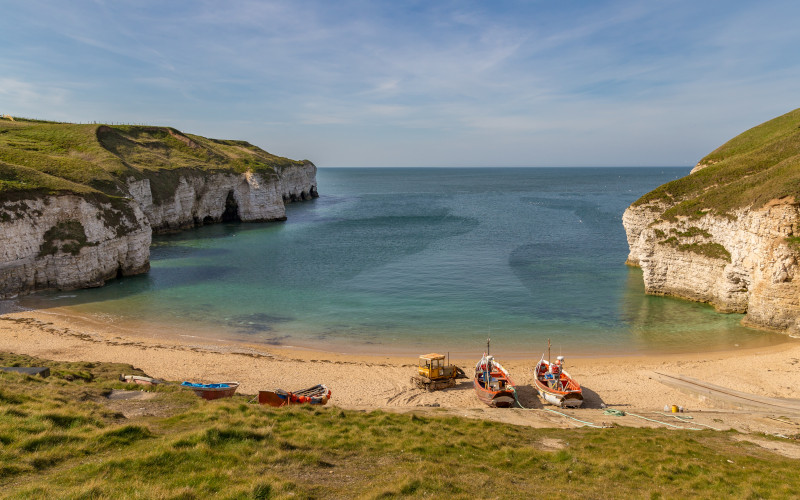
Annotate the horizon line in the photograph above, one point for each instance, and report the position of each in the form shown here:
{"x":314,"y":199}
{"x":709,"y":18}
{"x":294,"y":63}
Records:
{"x":507,"y":166}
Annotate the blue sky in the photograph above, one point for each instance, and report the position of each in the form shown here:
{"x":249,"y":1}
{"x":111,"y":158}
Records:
{"x":417,"y":83}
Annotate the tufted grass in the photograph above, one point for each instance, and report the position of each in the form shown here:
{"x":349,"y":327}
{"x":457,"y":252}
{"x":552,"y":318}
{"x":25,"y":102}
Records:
{"x":48,"y":157}
{"x":60,"y":440}
{"x":757,"y":166}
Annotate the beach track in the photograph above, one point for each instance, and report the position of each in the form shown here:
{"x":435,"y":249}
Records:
{"x":729,"y":398}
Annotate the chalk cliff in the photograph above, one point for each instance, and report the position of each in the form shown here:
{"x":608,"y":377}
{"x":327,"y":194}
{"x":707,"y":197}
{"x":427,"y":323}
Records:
{"x":208,"y":198}
{"x":79,"y":203}
{"x":727,"y":234}
{"x":62,"y":242}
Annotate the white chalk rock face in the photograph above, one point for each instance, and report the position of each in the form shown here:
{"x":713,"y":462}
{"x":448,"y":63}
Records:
{"x":299,"y":183}
{"x":207,"y":198}
{"x":65,"y":242}
{"x":743,"y":263}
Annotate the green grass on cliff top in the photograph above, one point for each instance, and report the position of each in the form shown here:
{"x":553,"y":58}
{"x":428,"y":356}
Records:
{"x":62,"y":437}
{"x":751,"y":169}
{"x":51,"y":157}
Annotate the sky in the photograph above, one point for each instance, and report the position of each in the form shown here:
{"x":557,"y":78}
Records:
{"x":414,"y":83}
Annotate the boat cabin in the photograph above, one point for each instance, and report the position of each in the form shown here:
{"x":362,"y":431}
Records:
{"x":496,"y":381}
{"x":497,"y":384}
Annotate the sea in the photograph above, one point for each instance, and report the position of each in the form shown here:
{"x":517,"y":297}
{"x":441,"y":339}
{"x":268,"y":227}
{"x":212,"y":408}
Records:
{"x":414,"y":260}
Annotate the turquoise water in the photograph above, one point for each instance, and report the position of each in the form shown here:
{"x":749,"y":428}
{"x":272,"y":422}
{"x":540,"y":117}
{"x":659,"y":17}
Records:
{"x":411,"y":260}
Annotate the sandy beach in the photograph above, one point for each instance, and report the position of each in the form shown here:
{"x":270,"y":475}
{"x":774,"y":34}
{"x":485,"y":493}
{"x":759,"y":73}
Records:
{"x":367,"y":382}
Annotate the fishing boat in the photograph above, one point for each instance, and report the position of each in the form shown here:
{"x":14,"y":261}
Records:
{"x":139,"y":380}
{"x":555,"y":386}
{"x":317,"y":395}
{"x":493,"y":385}
{"x":213,"y":391}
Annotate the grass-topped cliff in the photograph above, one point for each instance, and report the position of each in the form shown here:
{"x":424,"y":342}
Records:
{"x":757,"y":166}
{"x":78,"y":203}
{"x":48,"y":158}
{"x":728,"y":234}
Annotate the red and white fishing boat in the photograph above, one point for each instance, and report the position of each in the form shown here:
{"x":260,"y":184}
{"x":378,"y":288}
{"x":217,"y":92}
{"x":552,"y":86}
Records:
{"x":317,"y":395}
{"x":493,"y":384}
{"x":555,"y":386}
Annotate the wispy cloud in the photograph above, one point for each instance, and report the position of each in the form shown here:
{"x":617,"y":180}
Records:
{"x":25,"y":98}
{"x":607,"y":82}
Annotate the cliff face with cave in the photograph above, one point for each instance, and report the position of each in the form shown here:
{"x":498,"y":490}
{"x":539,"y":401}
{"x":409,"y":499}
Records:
{"x":79,"y":203}
{"x":728,"y":234}
{"x":200,"y":199}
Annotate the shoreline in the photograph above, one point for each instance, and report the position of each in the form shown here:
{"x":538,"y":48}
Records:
{"x":154,"y":331}
{"x":370,"y":382}
{"x":334,"y":351}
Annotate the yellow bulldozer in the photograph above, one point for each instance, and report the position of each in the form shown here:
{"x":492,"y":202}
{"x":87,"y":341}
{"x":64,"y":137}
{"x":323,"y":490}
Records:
{"x":434,"y":373}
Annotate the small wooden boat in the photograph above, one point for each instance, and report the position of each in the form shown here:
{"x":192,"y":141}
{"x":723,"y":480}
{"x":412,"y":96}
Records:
{"x":140,"y":380}
{"x":317,"y":395}
{"x":213,"y":391}
{"x":492,"y":383}
{"x":555,"y":386}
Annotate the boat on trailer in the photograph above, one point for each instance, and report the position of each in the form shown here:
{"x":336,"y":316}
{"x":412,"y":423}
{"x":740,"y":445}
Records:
{"x":555,"y":385}
{"x":493,"y":384}
{"x":316,"y":395}
{"x":213,"y":391}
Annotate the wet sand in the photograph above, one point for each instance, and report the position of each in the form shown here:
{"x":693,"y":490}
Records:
{"x":367,"y":382}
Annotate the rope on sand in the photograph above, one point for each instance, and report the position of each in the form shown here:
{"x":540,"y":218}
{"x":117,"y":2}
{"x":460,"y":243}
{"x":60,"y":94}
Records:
{"x":585,"y":424}
{"x":687,"y":417}
{"x":665,"y":423}
{"x":614,"y":412}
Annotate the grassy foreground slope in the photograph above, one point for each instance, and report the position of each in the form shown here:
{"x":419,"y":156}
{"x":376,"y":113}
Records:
{"x":47,"y":157}
{"x":751,"y":169}
{"x":62,"y":437}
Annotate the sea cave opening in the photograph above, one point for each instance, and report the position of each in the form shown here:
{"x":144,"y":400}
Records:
{"x":231,"y":213}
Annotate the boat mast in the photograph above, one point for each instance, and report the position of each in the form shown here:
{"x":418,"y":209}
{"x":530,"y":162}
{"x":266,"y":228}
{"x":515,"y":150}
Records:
{"x":548,"y":351}
{"x":488,"y":376}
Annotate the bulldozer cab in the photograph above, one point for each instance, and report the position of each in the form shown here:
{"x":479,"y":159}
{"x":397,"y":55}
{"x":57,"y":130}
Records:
{"x":432,"y":366}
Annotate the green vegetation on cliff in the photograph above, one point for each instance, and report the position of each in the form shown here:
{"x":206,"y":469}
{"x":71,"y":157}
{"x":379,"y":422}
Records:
{"x":757,"y":166}
{"x":47,"y":157}
{"x":693,"y":240}
{"x":65,"y":437}
{"x":66,"y":236}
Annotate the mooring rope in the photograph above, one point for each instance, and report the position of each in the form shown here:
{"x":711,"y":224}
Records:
{"x":617,"y":413}
{"x":589,"y":424}
{"x":664,"y":423}
{"x":585,"y":423}
{"x":687,"y":417}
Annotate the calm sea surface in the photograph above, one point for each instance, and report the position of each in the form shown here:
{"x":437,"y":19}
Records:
{"x":413,"y":260}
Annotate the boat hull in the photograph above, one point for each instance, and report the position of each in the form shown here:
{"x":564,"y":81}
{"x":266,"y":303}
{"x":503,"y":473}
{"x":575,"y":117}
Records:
{"x":569,"y":400}
{"x":317,"y":395}
{"x":212,"y":393}
{"x":495,"y":399}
